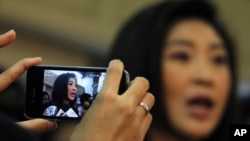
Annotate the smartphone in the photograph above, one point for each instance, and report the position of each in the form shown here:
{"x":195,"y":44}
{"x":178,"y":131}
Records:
{"x":64,"y":92}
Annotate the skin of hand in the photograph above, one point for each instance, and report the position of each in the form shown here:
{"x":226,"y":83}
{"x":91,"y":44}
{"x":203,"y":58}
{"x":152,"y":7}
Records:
{"x":114,"y":117}
{"x":15,"y":71}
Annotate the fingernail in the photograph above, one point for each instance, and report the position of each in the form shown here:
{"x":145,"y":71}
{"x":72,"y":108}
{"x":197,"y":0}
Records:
{"x":9,"y":32}
{"x":113,"y":61}
{"x":38,"y":58}
{"x":52,"y":125}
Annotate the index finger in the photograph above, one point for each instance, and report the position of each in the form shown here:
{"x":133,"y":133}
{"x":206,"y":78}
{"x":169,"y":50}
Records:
{"x":11,"y":74}
{"x":113,"y":77}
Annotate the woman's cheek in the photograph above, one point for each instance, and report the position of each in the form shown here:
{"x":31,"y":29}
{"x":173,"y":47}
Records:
{"x":223,"y":83}
{"x":175,"y":83}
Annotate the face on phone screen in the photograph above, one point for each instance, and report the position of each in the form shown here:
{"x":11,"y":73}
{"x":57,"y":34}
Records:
{"x":69,"y":93}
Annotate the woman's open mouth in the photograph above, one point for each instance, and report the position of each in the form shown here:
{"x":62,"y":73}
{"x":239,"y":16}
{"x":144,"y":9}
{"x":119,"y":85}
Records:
{"x":72,"y":94}
{"x":200,"y":106}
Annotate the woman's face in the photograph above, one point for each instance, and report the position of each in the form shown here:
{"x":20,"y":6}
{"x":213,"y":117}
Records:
{"x":72,"y":89}
{"x":196,"y":77}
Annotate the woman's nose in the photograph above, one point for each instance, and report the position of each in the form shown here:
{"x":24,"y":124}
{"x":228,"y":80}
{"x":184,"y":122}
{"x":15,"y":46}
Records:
{"x":203,"y":74}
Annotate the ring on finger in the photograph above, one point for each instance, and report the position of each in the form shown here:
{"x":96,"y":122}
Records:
{"x":145,"y":107}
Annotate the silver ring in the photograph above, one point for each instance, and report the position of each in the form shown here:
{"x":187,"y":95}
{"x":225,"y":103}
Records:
{"x":145,"y":107}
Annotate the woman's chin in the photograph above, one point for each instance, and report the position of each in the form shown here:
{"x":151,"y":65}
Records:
{"x":71,"y":98}
{"x":198,"y":135}
{"x":195,"y":129}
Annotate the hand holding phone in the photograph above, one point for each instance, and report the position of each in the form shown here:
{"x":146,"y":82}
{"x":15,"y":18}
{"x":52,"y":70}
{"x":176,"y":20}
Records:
{"x":115,"y":117}
{"x":63,"y":92}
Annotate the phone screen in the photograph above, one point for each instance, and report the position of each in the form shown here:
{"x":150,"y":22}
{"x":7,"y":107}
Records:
{"x":62,"y":93}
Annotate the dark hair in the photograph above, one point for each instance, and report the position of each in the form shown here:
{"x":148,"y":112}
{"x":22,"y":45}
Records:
{"x":140,"y":42}
{"x":85,"y":97}
{"x":60,"y":89}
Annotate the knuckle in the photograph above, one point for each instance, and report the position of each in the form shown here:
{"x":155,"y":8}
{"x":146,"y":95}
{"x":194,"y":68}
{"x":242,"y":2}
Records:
{"x":127,"y":110}
{"x":22,"y":63}
{"x":143,"y":81}
{"x":106,"y":95}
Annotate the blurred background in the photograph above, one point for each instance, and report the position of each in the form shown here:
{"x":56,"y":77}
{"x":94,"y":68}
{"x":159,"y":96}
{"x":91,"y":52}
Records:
{"x":80,"y":32}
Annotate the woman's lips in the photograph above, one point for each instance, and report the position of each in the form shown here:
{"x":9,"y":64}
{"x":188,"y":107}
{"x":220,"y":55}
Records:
{"x":73,"y":94}
{"x":200,"y":106}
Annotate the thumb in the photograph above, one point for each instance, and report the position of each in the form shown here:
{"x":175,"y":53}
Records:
{"x":38,"y":125}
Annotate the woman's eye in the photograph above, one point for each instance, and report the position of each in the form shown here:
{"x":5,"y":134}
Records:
{"x":220,"y":60}
{"x":180,"y":56}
